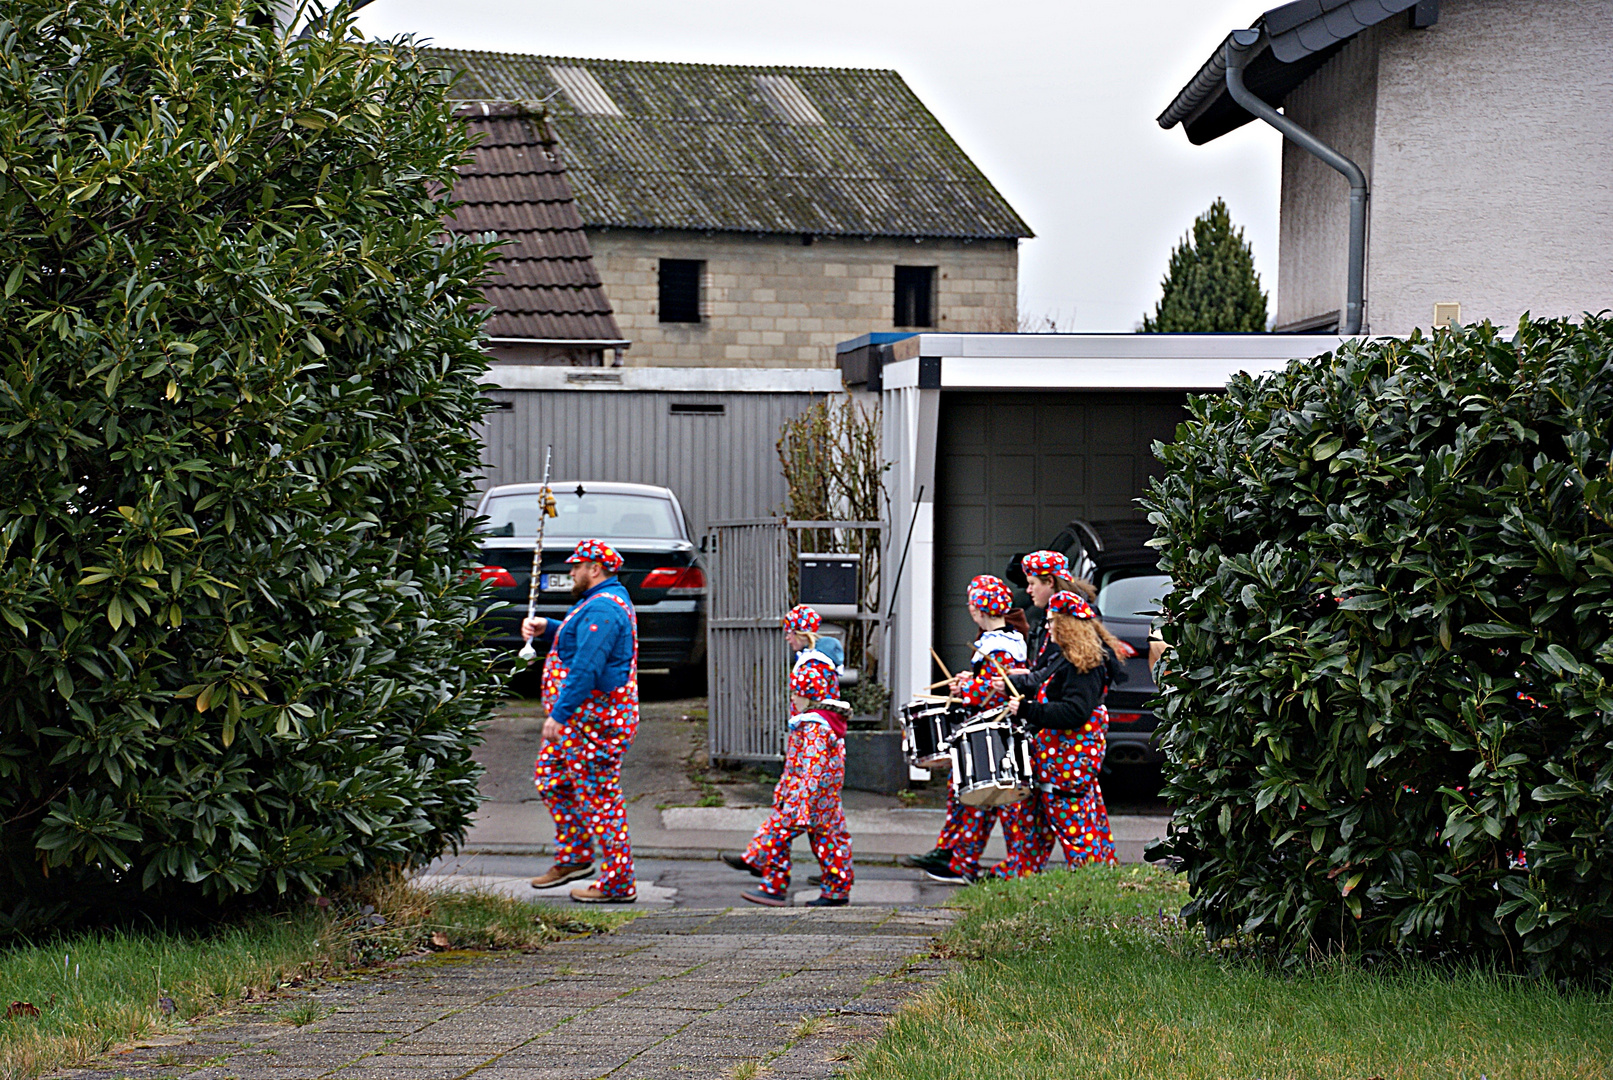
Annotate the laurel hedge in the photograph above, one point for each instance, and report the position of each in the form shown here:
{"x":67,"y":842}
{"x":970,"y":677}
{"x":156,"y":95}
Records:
{"x":1388,"y":721}
{"x":238,"y":396}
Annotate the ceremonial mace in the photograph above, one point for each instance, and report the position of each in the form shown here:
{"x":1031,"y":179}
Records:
{"x":546,"y":510}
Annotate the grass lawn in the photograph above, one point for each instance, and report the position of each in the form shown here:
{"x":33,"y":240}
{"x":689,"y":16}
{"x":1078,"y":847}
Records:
{"x":96,"y":990}
{"x":1078,"y":975}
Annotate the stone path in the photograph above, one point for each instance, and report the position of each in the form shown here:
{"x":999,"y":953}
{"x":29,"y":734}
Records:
{"x":685,"y":994}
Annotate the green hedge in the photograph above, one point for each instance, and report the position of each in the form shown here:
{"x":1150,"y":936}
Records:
{"x":1388,"y":720}
{"x":237,"y":407}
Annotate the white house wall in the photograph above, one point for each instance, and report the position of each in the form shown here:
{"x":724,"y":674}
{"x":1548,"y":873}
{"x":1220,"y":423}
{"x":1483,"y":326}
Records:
{"x":1337,"y":106}
{"x":1493,"y":179}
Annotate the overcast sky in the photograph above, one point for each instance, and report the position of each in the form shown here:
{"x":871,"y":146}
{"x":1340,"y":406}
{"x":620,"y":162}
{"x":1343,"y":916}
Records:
{"x":1055,"y":101}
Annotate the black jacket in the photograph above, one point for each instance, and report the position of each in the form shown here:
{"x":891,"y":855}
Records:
{"x":1045,"y":658}
{"x":1072,"y":694}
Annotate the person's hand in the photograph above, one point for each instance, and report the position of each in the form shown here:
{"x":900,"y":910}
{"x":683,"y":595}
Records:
{"x":958,"y":683}
{"x":531,"y":628}
{"x":1019,"y":671}
{"x":551,"y":731}
{"x":998,"y":686}
{"x":1013,"y":706}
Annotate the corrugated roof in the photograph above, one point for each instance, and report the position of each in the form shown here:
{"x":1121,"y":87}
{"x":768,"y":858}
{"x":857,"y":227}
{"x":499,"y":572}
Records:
{"x":823,"y":151}
{"x":1300,"y":37}
{"x":544,"y":283}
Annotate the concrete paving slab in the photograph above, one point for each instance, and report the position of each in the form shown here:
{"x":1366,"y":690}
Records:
{"x":713,"y":988}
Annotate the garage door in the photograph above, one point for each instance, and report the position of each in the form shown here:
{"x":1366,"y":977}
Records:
{"x":1011,"y":469}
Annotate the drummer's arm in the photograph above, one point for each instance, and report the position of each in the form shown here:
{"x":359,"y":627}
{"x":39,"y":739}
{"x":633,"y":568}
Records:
{"x":1070,"y":702}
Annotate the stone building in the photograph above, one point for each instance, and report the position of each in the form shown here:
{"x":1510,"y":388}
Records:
{"x":757,"y":216}
{"x":1484,"y":129}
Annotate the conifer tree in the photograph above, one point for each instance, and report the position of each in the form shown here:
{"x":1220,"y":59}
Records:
{"x":1211,"y":286}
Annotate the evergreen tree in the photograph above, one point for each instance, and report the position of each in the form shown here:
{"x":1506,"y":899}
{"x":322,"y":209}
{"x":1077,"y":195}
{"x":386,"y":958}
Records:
{"x":1211,"y":286}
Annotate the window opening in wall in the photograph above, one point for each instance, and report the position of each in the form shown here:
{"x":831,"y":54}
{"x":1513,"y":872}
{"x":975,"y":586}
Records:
{"x":698,"y":408}
{"x":680,"y":290}
{"x":501,"y":406}
{"x":915,"y":296}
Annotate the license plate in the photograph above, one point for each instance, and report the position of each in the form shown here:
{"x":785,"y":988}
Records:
{"x":556,"y":582}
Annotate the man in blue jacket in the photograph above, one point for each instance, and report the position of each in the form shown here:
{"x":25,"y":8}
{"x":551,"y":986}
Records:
{"x":590,"y":692}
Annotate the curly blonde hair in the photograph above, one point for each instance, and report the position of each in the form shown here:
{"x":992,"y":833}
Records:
{"x":1082,"y":641}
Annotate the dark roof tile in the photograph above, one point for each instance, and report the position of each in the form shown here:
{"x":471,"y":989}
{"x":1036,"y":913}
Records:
{"x":544,"y":284}
{"x":706,"y":147}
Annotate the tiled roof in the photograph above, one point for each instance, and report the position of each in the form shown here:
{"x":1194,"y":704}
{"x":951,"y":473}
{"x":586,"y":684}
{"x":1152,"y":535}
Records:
{"x":1299,"y":38}
{"x":824,"y":151}
{"x":544,"y":283}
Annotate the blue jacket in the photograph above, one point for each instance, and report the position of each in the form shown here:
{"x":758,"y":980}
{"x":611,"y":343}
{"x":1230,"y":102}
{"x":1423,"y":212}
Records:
{"x":595,"y":645}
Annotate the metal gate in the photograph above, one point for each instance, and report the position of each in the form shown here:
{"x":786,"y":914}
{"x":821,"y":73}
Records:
{"x":747,"y":662}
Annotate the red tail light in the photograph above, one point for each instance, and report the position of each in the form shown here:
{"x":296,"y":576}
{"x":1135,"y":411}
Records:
{"x":1125,"y":717}
{"x":676,"y":580}
{"x":496,"y":576}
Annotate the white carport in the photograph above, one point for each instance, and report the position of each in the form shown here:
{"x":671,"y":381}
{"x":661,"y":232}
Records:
{"x":916,"y":374}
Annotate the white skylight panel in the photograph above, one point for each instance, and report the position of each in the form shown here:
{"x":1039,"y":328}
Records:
{"x":787,"y":100}
{"x":584,"y":91}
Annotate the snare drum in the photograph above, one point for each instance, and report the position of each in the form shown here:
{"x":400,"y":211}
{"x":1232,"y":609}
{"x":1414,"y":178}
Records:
{"x":991,"y":762}
{"x":925,"y":730}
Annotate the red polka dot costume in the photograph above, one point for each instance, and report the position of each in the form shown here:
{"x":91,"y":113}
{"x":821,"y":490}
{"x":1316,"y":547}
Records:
{"x":966,"y":829}
{"x":1066,"y":805}
{"x":807,"y":796}
{"x":590,"y":688}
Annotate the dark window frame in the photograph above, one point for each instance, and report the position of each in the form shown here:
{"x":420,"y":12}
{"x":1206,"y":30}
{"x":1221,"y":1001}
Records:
{"x":680,"y":285}
{"x":913,"y":304}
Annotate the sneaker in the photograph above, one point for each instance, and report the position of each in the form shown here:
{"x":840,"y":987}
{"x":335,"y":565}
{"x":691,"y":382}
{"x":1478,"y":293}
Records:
{"x":760,"y":895}
{"x":949,"y":876}
{"x":935,"y":859}
{"x":738,"y":863}
{"x":560,"y":873}
{"x":591,"y":895}
{"x":828,"y":901}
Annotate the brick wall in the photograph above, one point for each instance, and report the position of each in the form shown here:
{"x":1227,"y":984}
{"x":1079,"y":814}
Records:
{"x":774,"y":301}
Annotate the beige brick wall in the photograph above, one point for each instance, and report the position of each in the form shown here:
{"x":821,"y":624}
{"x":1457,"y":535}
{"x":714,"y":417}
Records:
{"x":773,"y":301}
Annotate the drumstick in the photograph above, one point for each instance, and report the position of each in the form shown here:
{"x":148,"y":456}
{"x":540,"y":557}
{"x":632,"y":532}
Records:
{"x":940,"y":663}
{"x":939,"y":682}
{"x":1012,"y":689}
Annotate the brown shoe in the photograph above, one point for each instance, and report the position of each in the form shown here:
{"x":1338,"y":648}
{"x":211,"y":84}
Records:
{"x":591,"y":895}
{"x":560,"y":873}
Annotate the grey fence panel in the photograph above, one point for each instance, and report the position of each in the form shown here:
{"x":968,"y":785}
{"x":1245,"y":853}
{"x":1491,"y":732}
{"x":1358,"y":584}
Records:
{"x":748,"y":662}
{"x":722,"y":466}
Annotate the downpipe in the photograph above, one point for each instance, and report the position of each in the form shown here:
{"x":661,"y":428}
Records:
{"x":1241,"y":46}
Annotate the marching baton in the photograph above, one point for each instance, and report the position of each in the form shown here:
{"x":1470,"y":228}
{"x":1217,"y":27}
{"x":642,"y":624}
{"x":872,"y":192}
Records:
{"x":546,"y":510}
{"x":1012,"y":689}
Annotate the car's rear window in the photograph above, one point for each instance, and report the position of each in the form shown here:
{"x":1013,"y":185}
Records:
{"x":1133,"y":596}
{"x":601,"y":515}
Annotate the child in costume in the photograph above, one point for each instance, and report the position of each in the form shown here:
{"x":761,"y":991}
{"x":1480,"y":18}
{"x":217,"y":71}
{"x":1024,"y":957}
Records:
{"x":1070,"y":725}
{"x":807,"y":796}
{"x":955,"y":860}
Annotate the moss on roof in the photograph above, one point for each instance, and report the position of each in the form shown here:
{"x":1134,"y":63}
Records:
{"x":711,"y":147}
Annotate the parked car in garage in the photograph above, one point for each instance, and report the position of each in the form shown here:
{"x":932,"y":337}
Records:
{"x":645,"y":524}
{"x":1113,"y":556}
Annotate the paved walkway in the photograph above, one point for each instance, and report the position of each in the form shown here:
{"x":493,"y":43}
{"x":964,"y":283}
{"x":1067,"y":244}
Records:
{"x":685,"y":994}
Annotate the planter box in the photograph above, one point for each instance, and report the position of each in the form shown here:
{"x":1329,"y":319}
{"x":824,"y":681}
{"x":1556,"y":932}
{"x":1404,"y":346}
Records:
{"x":874,"y":761}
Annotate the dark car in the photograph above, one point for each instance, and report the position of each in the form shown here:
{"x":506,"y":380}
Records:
{"x":1113,"y":555}
{"x":647,"y":527}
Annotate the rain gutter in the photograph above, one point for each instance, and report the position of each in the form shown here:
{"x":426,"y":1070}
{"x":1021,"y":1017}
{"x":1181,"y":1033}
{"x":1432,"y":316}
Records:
{"x":1241,"y":46}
